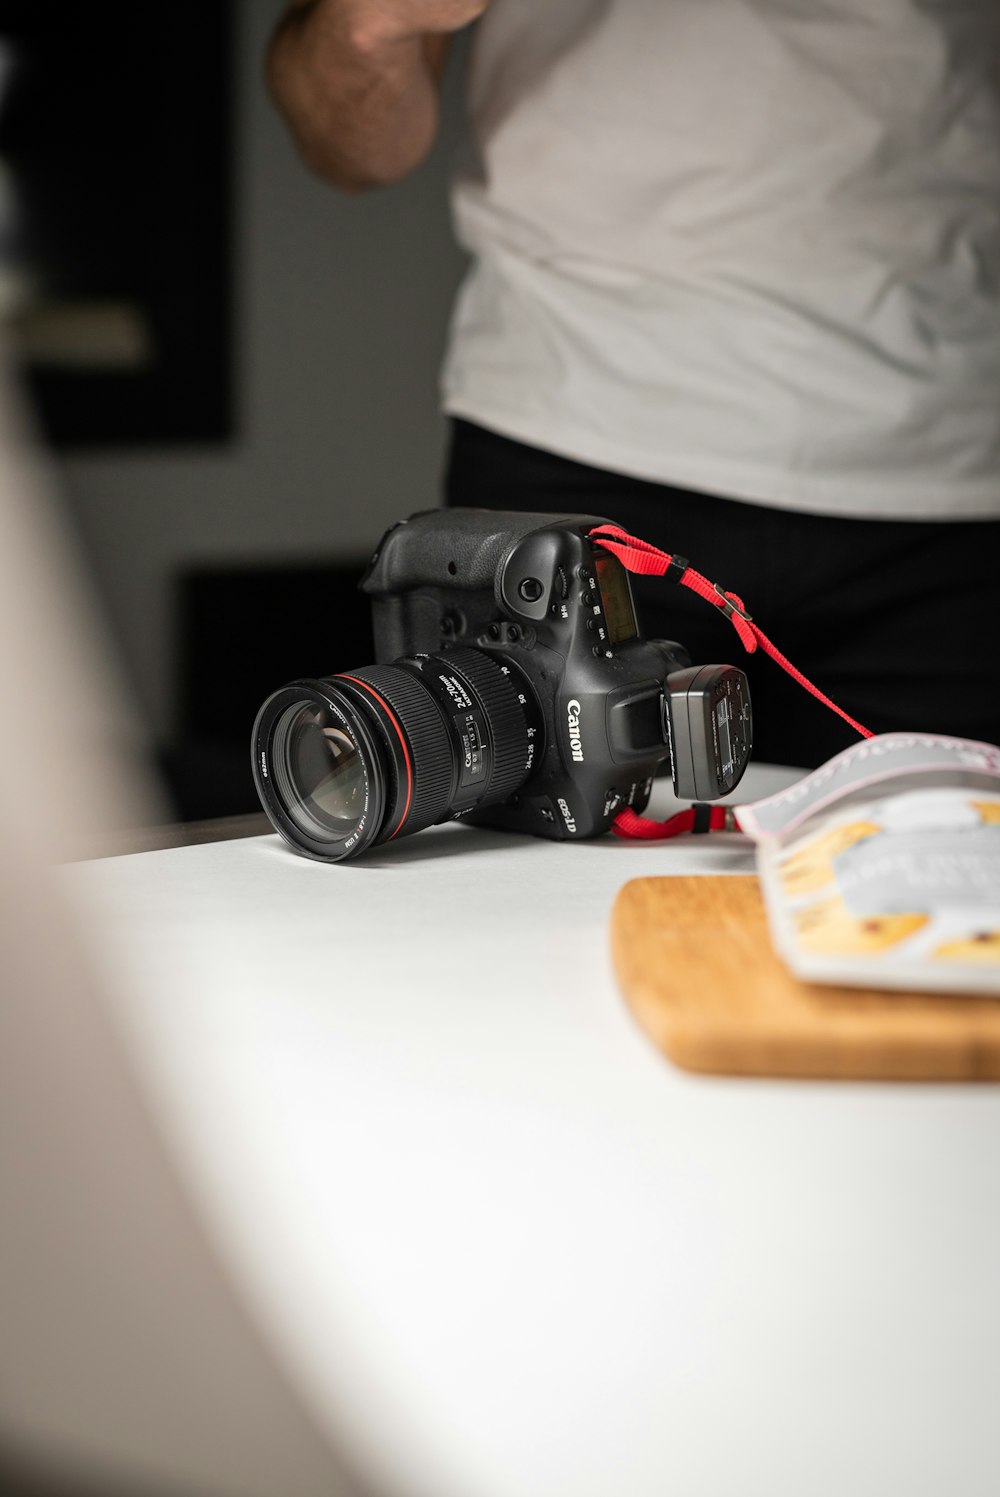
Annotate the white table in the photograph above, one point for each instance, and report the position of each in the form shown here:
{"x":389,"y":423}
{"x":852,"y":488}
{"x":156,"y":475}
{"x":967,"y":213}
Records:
{"x":503,"y":1248}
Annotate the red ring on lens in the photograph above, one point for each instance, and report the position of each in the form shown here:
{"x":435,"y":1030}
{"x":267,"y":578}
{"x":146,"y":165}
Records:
{"x":402,"y":743}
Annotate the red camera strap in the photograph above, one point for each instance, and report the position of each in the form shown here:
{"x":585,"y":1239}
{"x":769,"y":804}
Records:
{"x":698,"y":818}
{"x":646,"y":560}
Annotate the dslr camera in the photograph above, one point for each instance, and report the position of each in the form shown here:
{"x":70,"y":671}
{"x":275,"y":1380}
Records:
{"x":513,"y":690}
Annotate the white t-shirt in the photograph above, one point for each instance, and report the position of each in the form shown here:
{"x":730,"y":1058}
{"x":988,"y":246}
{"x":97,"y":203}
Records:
{"x":750,"y":247}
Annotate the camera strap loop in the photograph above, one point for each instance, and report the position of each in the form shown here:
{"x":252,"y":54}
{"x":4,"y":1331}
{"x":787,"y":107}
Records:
{"x":696,"y":818}
{"x":646,"y":560}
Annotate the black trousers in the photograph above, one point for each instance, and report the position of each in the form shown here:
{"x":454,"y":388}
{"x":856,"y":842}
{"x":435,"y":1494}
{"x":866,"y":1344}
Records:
{"x":895,"y":620}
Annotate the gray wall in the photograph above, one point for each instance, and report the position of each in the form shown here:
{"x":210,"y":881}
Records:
{"x":341,"y":312}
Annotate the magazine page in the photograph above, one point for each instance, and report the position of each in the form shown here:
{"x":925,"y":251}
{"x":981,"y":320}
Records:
{"x":882,"y":868}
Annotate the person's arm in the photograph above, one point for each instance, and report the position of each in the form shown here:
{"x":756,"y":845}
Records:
{"x":357,"y":82}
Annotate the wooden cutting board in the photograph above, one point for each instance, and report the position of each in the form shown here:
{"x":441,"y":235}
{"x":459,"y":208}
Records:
{"x":695,"y":962}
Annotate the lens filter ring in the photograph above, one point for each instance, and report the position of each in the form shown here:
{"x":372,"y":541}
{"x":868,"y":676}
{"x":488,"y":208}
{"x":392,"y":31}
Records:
{"x":320,"y":771}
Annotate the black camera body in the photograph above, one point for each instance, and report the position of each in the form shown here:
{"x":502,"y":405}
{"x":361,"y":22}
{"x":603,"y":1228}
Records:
{"x":512,"y":688}
{"x":531,"y":588}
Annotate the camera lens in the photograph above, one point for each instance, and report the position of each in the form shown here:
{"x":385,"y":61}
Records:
{"x":349,"y":761}
{"x":319,"y":769}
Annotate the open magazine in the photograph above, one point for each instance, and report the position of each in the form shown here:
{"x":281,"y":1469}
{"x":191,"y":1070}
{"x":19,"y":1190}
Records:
{"x":882,"y":868}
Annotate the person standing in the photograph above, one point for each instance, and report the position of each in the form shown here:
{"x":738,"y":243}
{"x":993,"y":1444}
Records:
{"x":735,"y":284}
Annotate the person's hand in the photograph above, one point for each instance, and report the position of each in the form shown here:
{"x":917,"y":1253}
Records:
{"x":357,"y":81}
{"x":377,"y":22}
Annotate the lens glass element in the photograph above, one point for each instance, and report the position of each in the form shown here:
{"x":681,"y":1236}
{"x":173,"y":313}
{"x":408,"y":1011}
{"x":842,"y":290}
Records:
{"x":320,"y":771}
